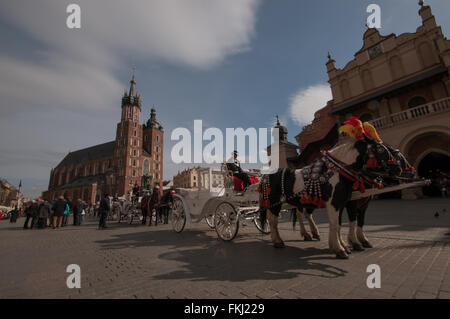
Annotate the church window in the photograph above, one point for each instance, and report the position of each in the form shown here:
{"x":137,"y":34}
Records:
{"x":86,"y":171}
{"x":157,"y":138}
{"x":134,"y":152}
{"x":135,"y":133}
{"x":145,"y":138}
{"x":134,"y":173}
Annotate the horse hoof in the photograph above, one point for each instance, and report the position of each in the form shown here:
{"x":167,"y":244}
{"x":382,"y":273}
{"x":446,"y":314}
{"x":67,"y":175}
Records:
{"x":366,"y":244}
{"x":316,"y":236}
{"x":357,"y":247}
{"x":347,"y":250}
{"x":279,"y":245}
{"x":342,"y":255}
{"x":307,"y":237}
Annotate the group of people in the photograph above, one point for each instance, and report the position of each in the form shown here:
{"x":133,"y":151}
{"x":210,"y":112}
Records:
{"x":42,"y":213}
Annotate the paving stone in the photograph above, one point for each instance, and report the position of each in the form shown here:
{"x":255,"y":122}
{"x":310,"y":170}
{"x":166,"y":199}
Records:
{"x":133,"y":261}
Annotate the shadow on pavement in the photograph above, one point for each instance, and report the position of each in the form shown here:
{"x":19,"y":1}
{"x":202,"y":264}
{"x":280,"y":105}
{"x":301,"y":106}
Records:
{"x":205,"y":258}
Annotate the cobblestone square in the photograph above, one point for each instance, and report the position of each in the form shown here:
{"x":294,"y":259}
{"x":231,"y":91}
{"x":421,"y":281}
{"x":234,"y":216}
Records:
{"x":411,"y":246}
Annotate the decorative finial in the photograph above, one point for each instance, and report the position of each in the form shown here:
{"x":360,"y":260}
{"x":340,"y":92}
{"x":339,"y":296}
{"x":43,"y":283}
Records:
{"x":134,"y":69}
{"x":329,"y":55}
{"x":421,"y":3}
{"x":278,"y":120}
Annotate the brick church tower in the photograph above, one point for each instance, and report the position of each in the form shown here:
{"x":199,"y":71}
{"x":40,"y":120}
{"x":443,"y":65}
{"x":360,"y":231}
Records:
{"x":114,"y":167}
{"x":153,"y":144}
{"x":128,"y":148}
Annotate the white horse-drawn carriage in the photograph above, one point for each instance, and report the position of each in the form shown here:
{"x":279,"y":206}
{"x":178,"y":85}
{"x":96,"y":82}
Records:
{"x":223,"y":207}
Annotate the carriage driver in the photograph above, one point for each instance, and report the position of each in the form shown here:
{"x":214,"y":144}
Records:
{"x":235,"y":166}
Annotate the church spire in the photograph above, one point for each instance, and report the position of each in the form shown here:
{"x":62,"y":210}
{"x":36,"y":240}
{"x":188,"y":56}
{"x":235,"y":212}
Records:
{"x":133,"y":84}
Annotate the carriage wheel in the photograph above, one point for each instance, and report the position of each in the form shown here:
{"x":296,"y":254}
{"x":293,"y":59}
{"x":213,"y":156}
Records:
{"x":210,"y":220}
{"x":266,"y":229}
{"x":226,"y":220}
{"x":178,"y":215}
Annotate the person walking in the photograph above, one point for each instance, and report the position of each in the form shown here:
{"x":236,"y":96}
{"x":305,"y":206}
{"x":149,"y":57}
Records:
{"x":66,"y":214}
{"x":58,"y":209}
{"x":14,"y":215}
{"x":44,"y":212}
{"x":34,"y":213}
{"x":164,"y":206}
{"x":28,"y":214}
{"x":104,"y":209}
{"x":78,"y":210}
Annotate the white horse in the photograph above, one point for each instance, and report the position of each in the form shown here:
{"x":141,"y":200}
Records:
{"x":345,"y":152}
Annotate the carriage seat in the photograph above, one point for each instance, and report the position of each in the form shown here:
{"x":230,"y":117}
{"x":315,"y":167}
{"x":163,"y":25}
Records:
{"x":239,"y":183}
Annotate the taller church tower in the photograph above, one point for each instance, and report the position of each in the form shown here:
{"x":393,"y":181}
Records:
{"x":129,"y":144}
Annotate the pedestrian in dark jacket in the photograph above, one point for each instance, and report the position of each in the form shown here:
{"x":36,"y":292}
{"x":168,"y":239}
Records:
{"x":58,"y":209}
{"x":14,"y":215}
{"x":104,"y":210}
{"x":164,"y":205}
{"x":34,"y":213}
{"x":28,"y":214}
{"x":44,"y":212}
{"x":78,"y":209}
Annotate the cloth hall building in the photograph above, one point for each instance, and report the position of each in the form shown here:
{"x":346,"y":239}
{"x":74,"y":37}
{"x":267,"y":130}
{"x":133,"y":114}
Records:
{"x":113,"y":167}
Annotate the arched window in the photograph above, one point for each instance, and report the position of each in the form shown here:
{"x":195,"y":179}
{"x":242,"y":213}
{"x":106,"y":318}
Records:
{"x":416,"y":101}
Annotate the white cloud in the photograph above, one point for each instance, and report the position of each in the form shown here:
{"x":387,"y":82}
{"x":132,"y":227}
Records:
{"x":307,"y":101}
{"x":75,"y":69}
{"x":58,"y":82}
{"x":196,"y":33}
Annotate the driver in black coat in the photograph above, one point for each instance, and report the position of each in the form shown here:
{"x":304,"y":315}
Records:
{"x":235,"y":166}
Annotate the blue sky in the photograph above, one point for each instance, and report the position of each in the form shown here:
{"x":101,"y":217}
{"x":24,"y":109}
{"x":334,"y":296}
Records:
{"x":229,"y":63}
